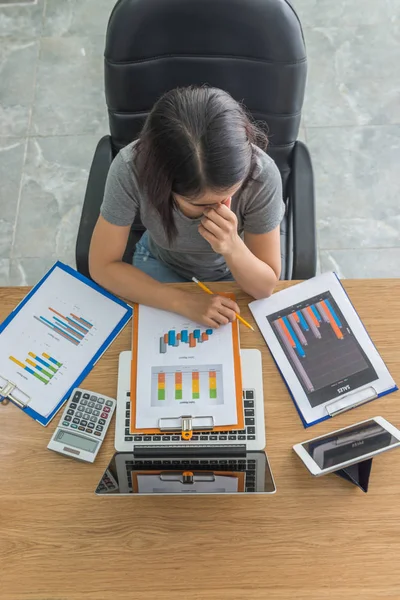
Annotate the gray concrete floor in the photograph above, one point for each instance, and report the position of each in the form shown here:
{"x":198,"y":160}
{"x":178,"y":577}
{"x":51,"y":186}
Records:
{"x":52,"y":113}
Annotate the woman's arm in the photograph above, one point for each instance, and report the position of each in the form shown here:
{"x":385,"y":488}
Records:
{"x":106,"y":267}
{"x":255,"y":263}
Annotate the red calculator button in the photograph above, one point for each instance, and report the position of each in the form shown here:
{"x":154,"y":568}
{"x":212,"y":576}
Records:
{"x":106,"y":409}
{"x":104,"y":415}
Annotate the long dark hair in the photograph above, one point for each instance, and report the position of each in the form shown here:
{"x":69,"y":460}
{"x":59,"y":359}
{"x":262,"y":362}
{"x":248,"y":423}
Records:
{"x":194,"y":139}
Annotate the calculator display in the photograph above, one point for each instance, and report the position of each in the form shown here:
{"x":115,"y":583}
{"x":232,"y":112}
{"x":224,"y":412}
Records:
{"x":77,"y":441}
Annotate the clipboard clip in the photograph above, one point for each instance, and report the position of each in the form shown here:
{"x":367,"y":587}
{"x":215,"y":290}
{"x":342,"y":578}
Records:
{"x":7,"y":393}
{"x":188,"y":477}
{"x":186,"y":424}
{"x":350,"y":400}
{"x":187,"y":428}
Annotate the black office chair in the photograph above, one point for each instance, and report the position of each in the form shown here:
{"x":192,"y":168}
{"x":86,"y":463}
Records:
{"x":253,"y":49}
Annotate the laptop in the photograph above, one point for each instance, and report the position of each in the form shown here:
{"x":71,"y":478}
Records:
{"x":223,"y":462}
{"x":253,"y":436}
{"x":216,"y":471}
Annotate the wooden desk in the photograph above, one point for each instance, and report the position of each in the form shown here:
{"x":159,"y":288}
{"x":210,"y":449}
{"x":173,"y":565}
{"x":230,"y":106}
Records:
{"x":314,"y":539}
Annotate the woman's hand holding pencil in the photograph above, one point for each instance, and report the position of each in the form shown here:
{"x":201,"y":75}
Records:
{"x":208,"y":310}
{"x":237,"y":310}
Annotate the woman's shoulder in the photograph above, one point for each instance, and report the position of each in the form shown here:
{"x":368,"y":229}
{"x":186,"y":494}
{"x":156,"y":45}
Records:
{"x":128,"y":153}
{"x":124,"y":166}
{"x":264,"y":167}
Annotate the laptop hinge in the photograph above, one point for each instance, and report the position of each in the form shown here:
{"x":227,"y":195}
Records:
{"x":192,"y":451}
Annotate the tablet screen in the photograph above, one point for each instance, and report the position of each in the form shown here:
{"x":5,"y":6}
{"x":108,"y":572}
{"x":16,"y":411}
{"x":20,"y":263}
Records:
{"x":336,"y":448}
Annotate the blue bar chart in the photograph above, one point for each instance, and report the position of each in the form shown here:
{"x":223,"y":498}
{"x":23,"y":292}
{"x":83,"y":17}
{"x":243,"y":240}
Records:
{"x":174,"y":338}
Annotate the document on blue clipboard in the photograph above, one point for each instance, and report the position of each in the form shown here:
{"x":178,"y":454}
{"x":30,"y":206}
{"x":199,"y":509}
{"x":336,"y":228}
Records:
{"x":49,"y":343}
{"x":321,"y":348}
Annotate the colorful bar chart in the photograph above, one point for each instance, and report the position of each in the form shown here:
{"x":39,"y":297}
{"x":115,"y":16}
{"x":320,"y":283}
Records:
{"x":326,"y":308}
{"x":161,"y":386}
{"x":174,"y":384}
{"x":309,"y":318}
{"x":321,"y":349}
{"x":71,"y":328}
{"x":173,"y":338}
{"x":212,"y":381}
{"x":42,"y":367}
{"x":195,"y":385}
{"x":288,"y":343}
{"x":293,"y":329}
{"x":178,"y":385}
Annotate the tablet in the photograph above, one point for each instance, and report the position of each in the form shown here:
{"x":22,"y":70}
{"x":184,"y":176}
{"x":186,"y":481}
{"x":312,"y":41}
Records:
{"x":348,"y":446}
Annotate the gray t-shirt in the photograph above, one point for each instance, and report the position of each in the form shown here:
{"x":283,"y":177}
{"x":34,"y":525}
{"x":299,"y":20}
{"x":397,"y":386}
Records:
{"x":259,"y":209}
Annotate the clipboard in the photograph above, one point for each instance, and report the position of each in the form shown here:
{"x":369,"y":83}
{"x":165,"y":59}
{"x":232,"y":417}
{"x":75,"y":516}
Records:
{"x":188,"y":422}
{"x":13,"y":391}
{"x":321,"y":348}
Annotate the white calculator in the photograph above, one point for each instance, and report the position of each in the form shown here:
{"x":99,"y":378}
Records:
{"x":83,"y":425}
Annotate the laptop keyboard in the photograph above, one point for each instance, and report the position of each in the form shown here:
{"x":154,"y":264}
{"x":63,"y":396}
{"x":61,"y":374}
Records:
{"x":242,"y":435}
{"x":248,"y":466}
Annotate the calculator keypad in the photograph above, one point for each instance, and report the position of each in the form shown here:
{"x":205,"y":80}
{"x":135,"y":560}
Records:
{"x":83,"y":413}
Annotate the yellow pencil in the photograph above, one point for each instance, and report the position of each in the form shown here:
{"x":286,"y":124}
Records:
{"x":208,"y":291}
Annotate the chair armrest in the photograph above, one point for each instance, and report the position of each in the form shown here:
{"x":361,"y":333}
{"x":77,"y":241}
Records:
{"x":102,"y":160}
{"x":302,"y":206}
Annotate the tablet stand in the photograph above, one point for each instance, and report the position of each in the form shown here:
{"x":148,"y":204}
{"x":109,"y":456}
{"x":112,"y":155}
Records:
{"x":357,"y":474}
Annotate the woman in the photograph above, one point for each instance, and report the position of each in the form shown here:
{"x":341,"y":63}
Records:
{"x":211,"y":202}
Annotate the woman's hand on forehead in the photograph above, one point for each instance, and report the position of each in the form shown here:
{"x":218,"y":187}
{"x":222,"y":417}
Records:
{"x":219,"y":227}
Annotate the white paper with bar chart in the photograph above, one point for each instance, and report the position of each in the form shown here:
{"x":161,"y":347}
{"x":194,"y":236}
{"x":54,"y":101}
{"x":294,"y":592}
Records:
{"x":55,"y":334}
{"x":180,"y":368}
{"x":321,"y":348}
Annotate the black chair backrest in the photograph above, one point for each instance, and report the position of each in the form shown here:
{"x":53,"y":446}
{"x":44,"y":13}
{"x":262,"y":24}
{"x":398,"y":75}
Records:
{"x":253,"y":49}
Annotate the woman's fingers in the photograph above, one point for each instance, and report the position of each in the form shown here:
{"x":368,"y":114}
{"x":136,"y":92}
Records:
{"x":223,"y":310}
{"x":229,"y":303}
{"x":212,"y":217}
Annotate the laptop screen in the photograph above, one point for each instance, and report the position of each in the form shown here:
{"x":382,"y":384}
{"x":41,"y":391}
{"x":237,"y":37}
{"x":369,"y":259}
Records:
{"x":248,"y":473}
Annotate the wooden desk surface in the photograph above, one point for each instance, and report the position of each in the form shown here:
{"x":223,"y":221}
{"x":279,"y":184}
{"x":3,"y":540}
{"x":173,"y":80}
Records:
{"x":316,"y":538}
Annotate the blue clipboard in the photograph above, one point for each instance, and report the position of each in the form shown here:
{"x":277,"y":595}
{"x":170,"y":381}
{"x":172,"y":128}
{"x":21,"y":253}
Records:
{"x":307,"y":424}
{"x":124,"y":320}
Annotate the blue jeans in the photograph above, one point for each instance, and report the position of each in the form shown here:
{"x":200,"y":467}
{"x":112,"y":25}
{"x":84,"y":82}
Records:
{"x":146,"y":262}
